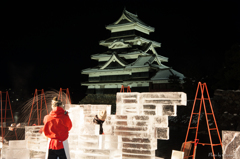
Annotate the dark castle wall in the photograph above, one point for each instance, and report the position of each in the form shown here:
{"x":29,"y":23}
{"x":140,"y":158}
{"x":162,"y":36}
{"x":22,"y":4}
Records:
{"x":115,"y":90}
{"x":138,"y":75}
{"x":129,"y":32}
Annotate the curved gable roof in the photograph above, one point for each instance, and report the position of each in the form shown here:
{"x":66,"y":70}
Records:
{"x":128,"y":18}
{"x":114,"y":58}
{"x":146,"y":60}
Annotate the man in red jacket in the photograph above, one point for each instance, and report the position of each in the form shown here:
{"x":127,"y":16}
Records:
{"x":56,"y":127}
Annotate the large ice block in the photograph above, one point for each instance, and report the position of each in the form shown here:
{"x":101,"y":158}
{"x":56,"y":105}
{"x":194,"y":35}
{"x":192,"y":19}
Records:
{"x":175,"y":98}
{"x":73,"y":141}
{"x":152,"y":103}
{"x":35,"y":140}
{"x":17,"y":144}
{"x":89,"y":129}
{"x":231,"y":144}
{"x":17,"y":153}
{"x":110,"y":142}
{"x":86,"y":140}
{"x":166,"y":98}
{"x":177,"y":154}
{"x":77,"y":117}
{"x":130,"y":98}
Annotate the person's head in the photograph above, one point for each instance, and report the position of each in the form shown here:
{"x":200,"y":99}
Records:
{"x":102,"y":115}
{"x":56,"y":103}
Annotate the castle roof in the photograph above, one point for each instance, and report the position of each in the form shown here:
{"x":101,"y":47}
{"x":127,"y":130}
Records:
{"x":129,"y":21}
{"x":165,"y":73}
{"x":132,"y":38}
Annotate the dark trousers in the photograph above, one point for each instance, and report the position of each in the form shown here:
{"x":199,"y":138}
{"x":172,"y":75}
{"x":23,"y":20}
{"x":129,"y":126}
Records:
{"x":53,"y":154}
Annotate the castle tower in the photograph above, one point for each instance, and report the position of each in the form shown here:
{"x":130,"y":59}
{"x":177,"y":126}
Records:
{"x":131,"y":60}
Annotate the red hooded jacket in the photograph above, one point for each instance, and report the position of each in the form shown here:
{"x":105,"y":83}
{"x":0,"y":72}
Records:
{"x":56,"y":126}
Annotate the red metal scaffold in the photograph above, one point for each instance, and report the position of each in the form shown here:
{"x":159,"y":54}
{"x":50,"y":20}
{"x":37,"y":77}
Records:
{"x":128,"y":89}
{"x":4,"y":118}
{"x":39,"y":110}
{"x":202,"y":87}
{"x":67,"y":99}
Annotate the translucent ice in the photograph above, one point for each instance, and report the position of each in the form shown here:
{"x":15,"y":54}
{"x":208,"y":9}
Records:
{"x":178,"y":98}
{"x":177,"y":154}
{"x":73,"y":141}
{"x":139,"y":151}
{"x":89,"y":129}
{"x":129,"y":98}
{"x":162,"y":133}
{"x":96,"y":154}
{"x":16,"y":153}
{"x":35,"y":140}
{"x":157,"y":103}
{"x":231,"y":144}
{"x":161,"y":121}
{"x":17,"y":144}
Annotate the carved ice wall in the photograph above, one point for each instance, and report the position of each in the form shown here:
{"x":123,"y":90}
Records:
{"x":141,"y":119}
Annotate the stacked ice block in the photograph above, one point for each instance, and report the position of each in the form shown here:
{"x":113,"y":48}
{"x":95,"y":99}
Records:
{"x":34,"y":146}
{"x":35,"y":141}
{"x":84,"y":139}
{"x":16,"y":150}
{"x":141,"y":119}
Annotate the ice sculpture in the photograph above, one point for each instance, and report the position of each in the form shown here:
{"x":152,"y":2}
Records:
{"x":84,"y":139}
{"x":34,"y":145}
{"x":35,"y":141}
{"x":141,"y":119}
{"x":16,"y":149}
{"x":231,"y":144}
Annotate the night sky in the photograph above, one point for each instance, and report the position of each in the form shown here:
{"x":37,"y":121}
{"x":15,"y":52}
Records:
{"x":45,"y":46}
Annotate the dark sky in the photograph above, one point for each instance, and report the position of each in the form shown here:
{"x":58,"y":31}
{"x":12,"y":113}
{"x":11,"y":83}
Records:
{"x":47,"y":45}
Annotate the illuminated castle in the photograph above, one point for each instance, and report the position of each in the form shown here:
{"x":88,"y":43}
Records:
{"x":131,"y":60}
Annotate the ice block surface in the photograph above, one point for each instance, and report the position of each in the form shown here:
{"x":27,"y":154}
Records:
{"x":231,"y":144}
{"x":13,"y":144}
{"x":151,"y":103}
{"x":35,"y":140}
{"x":16,"y":153}
{"x":89,"y":129}
{"x":177,"y":154}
